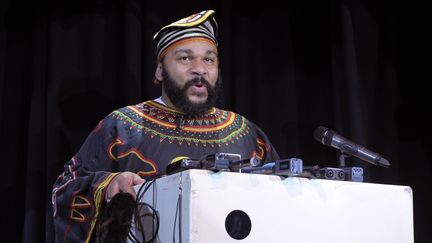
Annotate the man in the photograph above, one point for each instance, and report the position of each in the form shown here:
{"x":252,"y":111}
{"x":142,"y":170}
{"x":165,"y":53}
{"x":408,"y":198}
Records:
{"x":139,"y":141}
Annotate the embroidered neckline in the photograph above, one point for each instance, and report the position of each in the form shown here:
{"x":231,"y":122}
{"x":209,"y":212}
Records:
{"x":219,"y":128}
{"x":172,"y":109}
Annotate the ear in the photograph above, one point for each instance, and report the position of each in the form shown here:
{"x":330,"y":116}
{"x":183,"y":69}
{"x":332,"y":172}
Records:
{"x":158,"y":72}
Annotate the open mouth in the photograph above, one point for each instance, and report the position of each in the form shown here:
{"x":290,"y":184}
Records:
{"x":199,"y":86}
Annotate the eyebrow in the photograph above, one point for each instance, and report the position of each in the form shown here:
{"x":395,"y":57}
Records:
{"x":190,"y":52}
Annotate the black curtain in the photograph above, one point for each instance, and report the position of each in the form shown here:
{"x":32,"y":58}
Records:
{"x":359,"y":67}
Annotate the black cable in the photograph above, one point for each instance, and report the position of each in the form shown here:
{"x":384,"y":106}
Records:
{"x":154,"y":206}
{"x":138,"y":225}
{"x":179,"y":211}
{"x":175,"y":219}
{"x":180,"y":218}
{"x":139,"y":218}
{"x":155,"y":217}
{"x":140,"y":194}
{"x":145,"y":185}
{"x":154,"y":214}
{"x":133,"y":238}
{"x":156,"y":220}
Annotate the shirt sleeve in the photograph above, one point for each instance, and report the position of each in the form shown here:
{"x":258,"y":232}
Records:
{"x":78,"y":193}
{"x":266,"y":152}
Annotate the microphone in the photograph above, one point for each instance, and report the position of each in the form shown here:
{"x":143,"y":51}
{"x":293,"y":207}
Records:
{"x":330,"y":138}
{"x":284,"y":167}
{"x":239,"y":164}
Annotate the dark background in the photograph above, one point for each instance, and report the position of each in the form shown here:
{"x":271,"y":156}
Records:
{"x":359,"y":67}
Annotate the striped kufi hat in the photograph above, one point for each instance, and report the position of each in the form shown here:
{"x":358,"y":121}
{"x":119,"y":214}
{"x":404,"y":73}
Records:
{"x":201,"y":25}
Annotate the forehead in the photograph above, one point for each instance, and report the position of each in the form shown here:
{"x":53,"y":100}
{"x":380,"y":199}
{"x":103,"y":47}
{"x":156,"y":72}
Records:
{"x":194,"y":46}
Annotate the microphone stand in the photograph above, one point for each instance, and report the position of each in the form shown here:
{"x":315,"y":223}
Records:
{"x":342,"y":157}
{"x":351,"y":173}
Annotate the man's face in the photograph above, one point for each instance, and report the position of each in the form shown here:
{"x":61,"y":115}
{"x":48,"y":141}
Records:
{"x":189,"y":74}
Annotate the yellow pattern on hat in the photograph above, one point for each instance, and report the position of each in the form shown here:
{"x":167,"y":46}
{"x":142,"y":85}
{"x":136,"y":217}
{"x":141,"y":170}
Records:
{"x":193,"y":20}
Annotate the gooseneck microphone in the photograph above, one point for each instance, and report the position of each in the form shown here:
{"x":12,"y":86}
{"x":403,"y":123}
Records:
{"x":330,"y":138}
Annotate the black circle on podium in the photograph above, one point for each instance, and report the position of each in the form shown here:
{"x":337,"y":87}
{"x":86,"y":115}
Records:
{"x":238,"y":224}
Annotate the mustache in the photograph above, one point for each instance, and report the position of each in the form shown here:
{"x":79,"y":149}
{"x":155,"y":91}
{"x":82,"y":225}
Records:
{"x":197,"y":80}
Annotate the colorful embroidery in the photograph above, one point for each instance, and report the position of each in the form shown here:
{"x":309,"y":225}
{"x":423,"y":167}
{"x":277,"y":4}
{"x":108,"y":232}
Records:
{"x":133,"y":152}
{"x":79,"y":203}
{"x":263,"y":149}
{"x":218,"y":127}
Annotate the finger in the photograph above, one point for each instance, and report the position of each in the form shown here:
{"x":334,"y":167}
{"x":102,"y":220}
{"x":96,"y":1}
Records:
{"x":130,"y":190}
{"x":113,"y":188}
{"x":138,"y":180}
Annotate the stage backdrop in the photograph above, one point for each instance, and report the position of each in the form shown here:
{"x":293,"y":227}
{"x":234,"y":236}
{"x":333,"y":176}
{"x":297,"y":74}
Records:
{"x":358,"y":67}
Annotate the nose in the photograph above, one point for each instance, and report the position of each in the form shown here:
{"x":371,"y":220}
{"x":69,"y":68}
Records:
{"x":198,"y":68}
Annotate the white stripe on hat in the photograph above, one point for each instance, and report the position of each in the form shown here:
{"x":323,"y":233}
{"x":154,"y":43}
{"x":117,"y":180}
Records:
{"x":183,"y":34}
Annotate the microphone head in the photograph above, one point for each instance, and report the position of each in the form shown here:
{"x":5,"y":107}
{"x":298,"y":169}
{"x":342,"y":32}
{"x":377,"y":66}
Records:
{"x":383,"y":162}
{"x":323,"y":135}
{"x":255,"y":161}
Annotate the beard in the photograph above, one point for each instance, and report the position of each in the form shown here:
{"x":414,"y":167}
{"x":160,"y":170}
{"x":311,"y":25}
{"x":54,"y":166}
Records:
{"x":178,"y":95}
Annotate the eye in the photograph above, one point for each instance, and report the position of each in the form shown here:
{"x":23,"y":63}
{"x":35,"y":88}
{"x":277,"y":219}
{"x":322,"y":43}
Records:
{"x":209,"y":60}
{"x":185,"y":58}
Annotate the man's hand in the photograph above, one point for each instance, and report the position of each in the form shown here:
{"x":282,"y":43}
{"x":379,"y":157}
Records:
{"x":123,"y":182}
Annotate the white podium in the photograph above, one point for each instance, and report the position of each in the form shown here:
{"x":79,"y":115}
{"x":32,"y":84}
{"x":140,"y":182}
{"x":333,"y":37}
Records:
{"x":233,"y":207}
